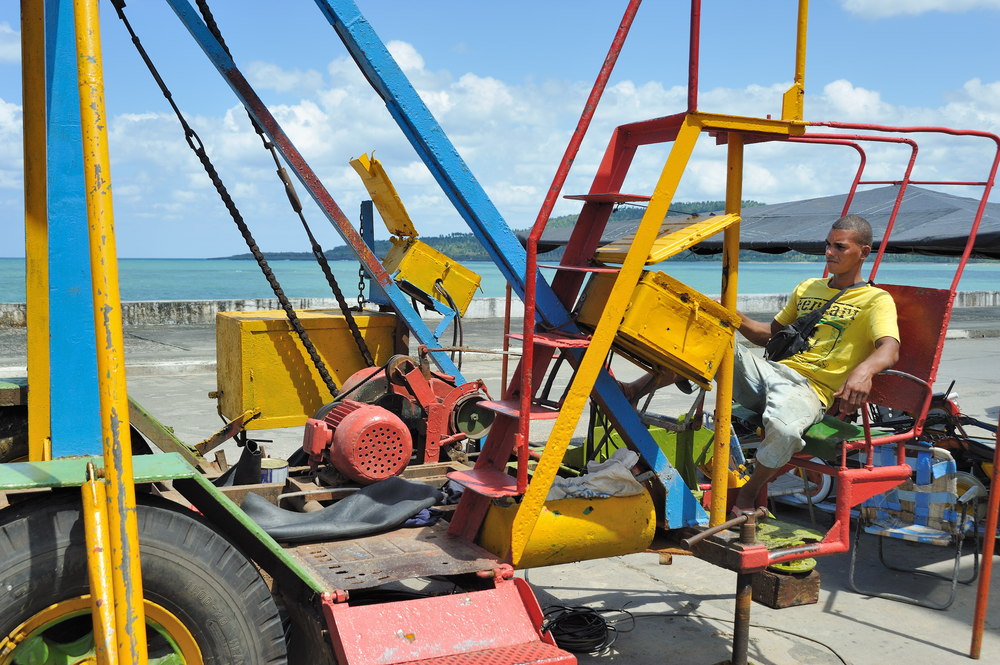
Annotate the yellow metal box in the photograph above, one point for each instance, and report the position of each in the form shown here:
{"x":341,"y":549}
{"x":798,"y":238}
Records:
{"x":261,"y":363}
{"x":667,"y":324}
{"x":418,"y":263}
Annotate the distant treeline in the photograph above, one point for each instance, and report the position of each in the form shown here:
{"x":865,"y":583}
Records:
{"x":465,"y":247}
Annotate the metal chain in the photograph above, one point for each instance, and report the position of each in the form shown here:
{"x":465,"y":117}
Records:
{"x":194,"y":141}
{"x":361,"y":268}
{"x":293,"y":200}
{"x":361,"y":287}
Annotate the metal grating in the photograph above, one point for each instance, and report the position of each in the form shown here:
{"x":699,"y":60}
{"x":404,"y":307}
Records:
{"x":401,"y":554}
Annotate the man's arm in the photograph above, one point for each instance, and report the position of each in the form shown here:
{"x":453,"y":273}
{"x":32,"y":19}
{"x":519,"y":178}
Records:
{"x":859,"y":382}
{"x":757,"y":332}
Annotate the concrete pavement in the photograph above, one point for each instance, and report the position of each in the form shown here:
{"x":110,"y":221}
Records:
{"x":684,"y":610}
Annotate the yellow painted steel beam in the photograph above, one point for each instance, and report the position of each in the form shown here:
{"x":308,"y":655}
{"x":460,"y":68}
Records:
{"x":130,"y":623}
{"x":384,"y":194}
{"x":593,"y":360}
{"x":792,"y":103}
{"x":36,"y":233}
{"x":739,"y":123}
{"x":724,"y":376}
{"x":98,"y":540}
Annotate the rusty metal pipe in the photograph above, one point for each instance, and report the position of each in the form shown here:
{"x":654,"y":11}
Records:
{"x":745,"y":518}
{"x":744,"y":592}
{"x":98,"y":540}
{"x":741,"y":622}
{"x":126,"y":573}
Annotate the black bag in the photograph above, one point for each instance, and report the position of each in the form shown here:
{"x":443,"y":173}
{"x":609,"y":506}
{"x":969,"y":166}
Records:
{"x":794,"y":338}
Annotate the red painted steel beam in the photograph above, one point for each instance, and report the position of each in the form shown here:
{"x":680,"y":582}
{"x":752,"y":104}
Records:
{"x":983,"y":591}
{"x":694,"y":49}
{"x":852,"y":139}
{"x":551,"y":196}
{"x":987,"y":187}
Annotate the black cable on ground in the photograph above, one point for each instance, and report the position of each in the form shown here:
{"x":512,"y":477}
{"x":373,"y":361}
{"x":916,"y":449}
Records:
{"x":583,"y":629}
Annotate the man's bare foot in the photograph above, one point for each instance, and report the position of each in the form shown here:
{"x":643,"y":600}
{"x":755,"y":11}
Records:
{"x":736,"y":511}
{"x":647,"y":383}
{"x":740,"y":512}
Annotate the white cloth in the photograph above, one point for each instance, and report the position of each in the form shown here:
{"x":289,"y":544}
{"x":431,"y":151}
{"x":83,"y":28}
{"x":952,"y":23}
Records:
{"x":612,"y":477}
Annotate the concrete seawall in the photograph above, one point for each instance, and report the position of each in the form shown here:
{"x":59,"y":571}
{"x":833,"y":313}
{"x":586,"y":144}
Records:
{"x":193,"y":312}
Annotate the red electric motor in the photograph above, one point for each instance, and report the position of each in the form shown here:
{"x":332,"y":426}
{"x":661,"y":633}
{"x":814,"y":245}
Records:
{"x":364,"y":442}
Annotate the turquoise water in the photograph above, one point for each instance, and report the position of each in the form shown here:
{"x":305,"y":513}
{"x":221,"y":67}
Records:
{"x":220,"y":279}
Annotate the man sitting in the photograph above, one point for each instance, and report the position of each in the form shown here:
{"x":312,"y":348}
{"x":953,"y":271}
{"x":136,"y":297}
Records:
{"x":856,"y":338}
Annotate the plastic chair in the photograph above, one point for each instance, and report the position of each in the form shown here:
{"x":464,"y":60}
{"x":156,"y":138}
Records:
{"x":925,"y":509}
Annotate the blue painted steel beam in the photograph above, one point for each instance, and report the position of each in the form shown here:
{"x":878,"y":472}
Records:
{"x":75,"y":412}
{"x":436,"y":150}
{"x":225,"y":65}
{"x":461,"y":187}
{"x":486,"y":223}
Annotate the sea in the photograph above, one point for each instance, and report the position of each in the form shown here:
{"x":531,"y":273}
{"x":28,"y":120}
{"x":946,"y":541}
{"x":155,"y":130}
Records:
{"x":224,"y":279}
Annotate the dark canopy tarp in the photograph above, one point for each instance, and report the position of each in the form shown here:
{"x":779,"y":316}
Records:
{"x":928,"y":222}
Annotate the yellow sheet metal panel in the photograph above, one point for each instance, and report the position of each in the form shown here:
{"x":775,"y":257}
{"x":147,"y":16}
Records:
{"x":261,"y":363}
{"x":418,"y":263}
{"x":667,"y":324}
{"x":384,"y":196}
{"x":575,"y":530}
{"x":674,"y":237}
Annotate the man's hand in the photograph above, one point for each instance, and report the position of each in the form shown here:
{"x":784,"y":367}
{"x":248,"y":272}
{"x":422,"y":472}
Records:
{"x":854,"y":392}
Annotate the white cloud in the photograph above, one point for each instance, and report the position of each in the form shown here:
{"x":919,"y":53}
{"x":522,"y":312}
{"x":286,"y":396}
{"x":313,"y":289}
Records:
{"x":511,"y":135}
{"x":10,"y":141}
{"x":10,"y":43}
{"x":406,"y":56}
{"x":267,"y":76}
{"x":885,"y":8}
{"x":848,"y":102}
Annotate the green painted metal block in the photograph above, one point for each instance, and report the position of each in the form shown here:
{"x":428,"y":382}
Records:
{"x":72,"y":471}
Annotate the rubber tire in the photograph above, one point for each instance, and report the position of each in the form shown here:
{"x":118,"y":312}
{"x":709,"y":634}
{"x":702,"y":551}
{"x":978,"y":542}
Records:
{"x":823,"y":491}
{"x":14,"y":436}
{"x":13,"y":433}
{"x":188,"y":568}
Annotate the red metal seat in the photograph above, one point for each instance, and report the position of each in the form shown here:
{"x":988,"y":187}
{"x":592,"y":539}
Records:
{"x":923,"y":316}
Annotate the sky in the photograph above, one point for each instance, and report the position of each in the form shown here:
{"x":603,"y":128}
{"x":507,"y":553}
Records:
{"x":507,"y":82}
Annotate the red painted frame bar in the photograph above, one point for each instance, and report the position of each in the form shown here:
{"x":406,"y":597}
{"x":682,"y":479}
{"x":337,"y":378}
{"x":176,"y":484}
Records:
{"x":531,"y":269}
{"x":874,"y":479}
{"x":853,"y":140}
{"x":987,"y":184}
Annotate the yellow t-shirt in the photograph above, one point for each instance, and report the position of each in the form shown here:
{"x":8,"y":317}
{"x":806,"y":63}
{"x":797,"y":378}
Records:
{"x":844,"y":336}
